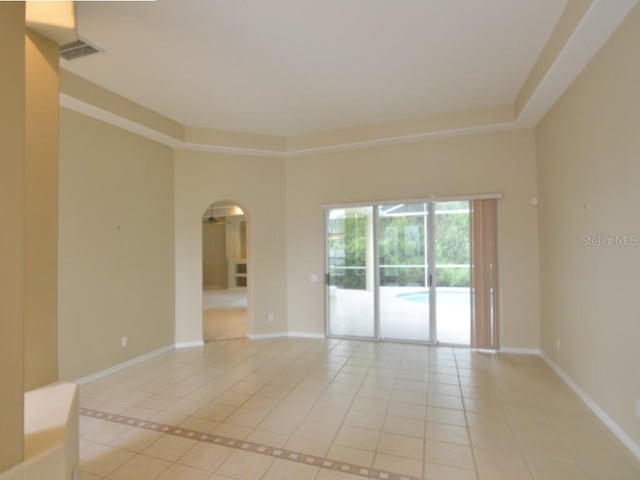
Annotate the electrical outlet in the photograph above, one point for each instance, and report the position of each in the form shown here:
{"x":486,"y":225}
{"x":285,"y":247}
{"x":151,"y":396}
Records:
{"x":125,"y":341}
{"x":271,"y":317}
{"x":558,"y":343}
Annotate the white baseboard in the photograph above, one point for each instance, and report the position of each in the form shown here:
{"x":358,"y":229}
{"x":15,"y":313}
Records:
{"x":262,"y":336}
{"x":306,"y":335}
{"x":197,"y":343}
{"x":595,"y":408}
{"x":521,"y":351}
{"x":123,"y":365}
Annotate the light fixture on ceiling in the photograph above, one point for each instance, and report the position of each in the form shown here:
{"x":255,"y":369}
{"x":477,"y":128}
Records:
{"x":211,"y":220}
{"x":221,"y":213}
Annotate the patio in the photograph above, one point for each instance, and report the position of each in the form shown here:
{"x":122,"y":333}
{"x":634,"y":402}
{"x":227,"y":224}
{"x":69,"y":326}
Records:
{"x":404,"y":313}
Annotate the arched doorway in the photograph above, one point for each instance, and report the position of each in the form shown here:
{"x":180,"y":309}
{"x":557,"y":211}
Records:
{"x":224,"y":271}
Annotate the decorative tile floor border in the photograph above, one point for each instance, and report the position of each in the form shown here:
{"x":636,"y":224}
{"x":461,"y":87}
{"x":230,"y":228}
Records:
{"x":282,"y":453}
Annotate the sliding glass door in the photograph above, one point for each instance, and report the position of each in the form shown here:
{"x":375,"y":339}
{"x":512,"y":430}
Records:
{"x":453,"y":272}
{"x":350,"y":272}
{"x":399,"y":271}
{"x":404,"y":289}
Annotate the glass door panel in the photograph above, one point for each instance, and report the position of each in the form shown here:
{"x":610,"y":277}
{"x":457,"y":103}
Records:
{"x":350,"y":267}
{"x":400,"y":271}
{"x":404,"y":296}
{"x":453,"y":270}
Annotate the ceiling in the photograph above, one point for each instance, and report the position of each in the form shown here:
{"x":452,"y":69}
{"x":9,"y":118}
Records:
{"x":289,"y":67}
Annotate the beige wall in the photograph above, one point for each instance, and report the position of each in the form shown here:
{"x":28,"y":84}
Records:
{"x":214,"y":256}
{"x":257,"y":185}
{"x":12,"y":191}
{"x":589,"y":175}
{"x":41,"y":209}
{"x":499,"y":162}
{"x":89,"y":92}
{"x":115,"y":246}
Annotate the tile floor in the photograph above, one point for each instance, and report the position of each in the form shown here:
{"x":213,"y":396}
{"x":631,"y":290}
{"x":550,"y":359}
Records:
{"x":219,"y":324}
{"x":342,"y":410}
{"x":224,"y":313}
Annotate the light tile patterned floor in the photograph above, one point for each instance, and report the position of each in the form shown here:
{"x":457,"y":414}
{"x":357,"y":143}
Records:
{"x":295,"y":409}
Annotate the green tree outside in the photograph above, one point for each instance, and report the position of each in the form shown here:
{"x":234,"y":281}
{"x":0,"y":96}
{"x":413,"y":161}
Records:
{"x":402,"y":248}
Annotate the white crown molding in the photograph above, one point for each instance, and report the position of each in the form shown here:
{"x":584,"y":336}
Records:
{"x":598,"y":24}
{"x":111,"y":118}
{"x":119,"y":121}
{"x":199,"y":147}
{"x":71,"y":103}
{"x":380,"y":142}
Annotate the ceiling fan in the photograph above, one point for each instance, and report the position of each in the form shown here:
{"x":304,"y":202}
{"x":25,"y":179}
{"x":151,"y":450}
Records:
{"x":215,"y":220}
{"x":211,"y":220}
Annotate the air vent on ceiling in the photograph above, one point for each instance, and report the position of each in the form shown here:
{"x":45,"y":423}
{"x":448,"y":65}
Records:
{"x":77,"y":49}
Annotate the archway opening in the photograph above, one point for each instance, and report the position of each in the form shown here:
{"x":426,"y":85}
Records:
{"x":224,"y":271}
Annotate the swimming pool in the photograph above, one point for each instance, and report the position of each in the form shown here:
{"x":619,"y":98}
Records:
{"x":446,"y":296}
{"x":417,"y":297}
